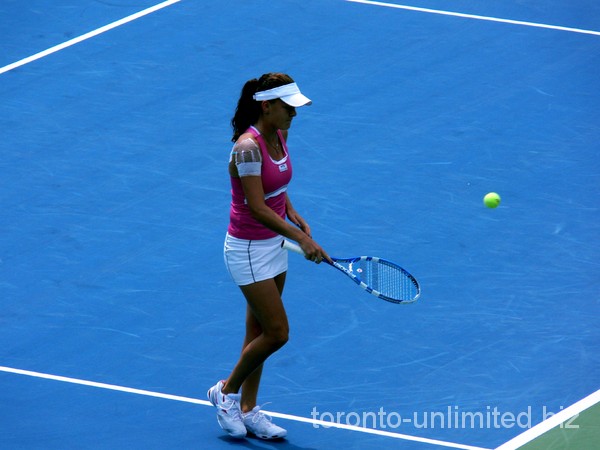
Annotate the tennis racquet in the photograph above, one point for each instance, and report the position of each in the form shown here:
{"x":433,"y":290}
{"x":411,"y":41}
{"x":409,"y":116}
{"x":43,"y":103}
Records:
{"x":383,"y":279}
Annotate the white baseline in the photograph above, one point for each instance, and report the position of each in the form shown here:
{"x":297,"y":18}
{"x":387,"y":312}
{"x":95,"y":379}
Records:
{"x":178,"y":398}
{"x":476,"y":17}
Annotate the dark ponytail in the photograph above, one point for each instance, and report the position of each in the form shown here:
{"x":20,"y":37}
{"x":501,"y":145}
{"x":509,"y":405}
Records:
{"x":248,"y":110}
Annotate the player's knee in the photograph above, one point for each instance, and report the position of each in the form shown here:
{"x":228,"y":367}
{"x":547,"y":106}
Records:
{"x":253,"y":331}
{"x":278,"y":336}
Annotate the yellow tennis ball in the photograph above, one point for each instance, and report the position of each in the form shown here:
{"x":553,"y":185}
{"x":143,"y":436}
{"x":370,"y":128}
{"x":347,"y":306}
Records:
{"x":491,"y":200}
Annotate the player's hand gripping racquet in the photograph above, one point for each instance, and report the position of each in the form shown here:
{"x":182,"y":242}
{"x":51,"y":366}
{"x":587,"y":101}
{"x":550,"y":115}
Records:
{"x":379,"y":277}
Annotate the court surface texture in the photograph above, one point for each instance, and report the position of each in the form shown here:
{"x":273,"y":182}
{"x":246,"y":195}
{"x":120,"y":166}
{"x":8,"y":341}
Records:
{"x":118,"y":312}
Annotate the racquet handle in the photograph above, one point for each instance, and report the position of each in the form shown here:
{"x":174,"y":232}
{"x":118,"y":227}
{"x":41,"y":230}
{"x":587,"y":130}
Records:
{"x":292,"y":247}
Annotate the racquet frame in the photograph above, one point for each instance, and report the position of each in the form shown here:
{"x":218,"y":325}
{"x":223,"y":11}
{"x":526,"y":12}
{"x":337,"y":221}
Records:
{"x":337,"y":263}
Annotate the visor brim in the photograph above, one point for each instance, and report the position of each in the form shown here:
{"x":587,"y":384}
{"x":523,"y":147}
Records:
{"x":296,"y":100}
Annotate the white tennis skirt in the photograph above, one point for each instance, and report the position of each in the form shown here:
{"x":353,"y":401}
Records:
{"x":251,"y":261}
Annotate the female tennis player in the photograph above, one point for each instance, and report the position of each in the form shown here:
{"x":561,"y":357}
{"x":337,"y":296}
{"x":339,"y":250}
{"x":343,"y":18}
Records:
{"x":260,"y":169}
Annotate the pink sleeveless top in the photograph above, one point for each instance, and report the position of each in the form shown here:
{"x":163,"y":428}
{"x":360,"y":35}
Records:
{"x":275,"y":176}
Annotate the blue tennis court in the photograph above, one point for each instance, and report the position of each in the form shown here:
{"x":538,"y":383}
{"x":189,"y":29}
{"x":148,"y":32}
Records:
{"x":117,"y":310}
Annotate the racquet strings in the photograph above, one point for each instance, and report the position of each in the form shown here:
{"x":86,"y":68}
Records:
{"x":385,"y":278}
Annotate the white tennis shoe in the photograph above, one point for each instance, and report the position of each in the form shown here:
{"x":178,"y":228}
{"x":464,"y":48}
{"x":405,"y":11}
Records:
{"x":260,"y":425}
{"x":229,"y":414}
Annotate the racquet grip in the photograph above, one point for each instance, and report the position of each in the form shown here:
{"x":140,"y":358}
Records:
{"x":292,"y":247}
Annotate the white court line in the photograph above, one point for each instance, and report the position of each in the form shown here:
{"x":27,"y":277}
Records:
{"x":553,"y":421}
{"x":86,"y":36}
{"x":178,"y":398}
{"x":473,"y":16}
{"x":111,"y":387}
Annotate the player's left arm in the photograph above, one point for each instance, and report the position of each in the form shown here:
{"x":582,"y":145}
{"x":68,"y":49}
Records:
{"x":294,"y":217}
{"x":290,"y":212}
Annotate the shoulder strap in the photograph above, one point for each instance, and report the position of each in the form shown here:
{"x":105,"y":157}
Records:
{"x":260,"y":139}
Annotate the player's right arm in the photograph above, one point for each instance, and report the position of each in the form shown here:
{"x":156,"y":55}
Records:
{"x":245,"y":153}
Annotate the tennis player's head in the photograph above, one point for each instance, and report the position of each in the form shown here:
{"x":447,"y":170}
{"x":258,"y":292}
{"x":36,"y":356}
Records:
{"x":270,"y":87}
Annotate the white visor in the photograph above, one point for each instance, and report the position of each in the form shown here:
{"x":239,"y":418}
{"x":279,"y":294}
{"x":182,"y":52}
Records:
{"x":289,"y":93}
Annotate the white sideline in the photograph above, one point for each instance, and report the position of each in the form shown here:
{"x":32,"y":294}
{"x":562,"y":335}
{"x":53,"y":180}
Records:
{"x":553,"y":421}
{"x":86,"y":36}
